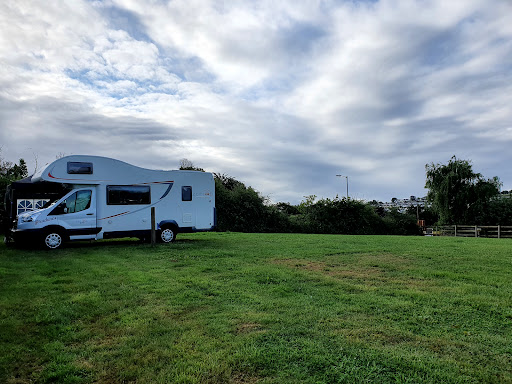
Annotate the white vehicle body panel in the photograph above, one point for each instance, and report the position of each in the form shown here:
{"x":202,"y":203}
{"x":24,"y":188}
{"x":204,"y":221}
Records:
{"x":120,"y":199}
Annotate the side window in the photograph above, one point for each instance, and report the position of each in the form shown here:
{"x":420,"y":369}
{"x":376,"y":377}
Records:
{"x":78,"y":167}
{"x":128,"y":194}
{"x":83,"y":200}
{"x":186,"y":193}
{"x":78,"y":201}
{"x":70,"y":203}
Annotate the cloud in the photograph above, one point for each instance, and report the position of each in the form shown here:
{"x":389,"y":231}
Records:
{"x":283,"y":96}
{"x":242,"y":43}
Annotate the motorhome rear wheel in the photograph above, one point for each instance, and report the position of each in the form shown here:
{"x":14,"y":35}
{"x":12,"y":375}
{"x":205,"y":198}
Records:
{"x":167,"y":235}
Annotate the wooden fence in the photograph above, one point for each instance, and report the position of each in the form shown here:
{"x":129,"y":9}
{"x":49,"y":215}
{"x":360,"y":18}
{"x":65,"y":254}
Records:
{"x":493,"y":231}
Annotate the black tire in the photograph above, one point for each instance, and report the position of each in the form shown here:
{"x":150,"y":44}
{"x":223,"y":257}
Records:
{"x":167,"y":235}
{"x":8,"y":241}
{"x":53,"y":239}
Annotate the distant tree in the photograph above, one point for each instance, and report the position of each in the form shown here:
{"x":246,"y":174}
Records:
{"x":187,"y":165}
{"x":497,"y":212}
{"x":242,"y":209}
{"x":424,"y":213}
{"x":397,"y":223}
{"x":287,"y":208}
{"x":227,"y":181}
{"x":456,"y":192}
{"x":9,"y":173}
{"x":306,"y":204}
{"x":379,"y":210}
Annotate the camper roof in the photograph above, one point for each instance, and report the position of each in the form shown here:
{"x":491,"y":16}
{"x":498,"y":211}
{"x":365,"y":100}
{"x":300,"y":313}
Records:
{"x":85,"y":169}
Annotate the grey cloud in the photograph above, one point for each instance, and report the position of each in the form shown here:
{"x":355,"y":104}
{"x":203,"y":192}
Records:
{"x":57,"y":126}
{"x":283,"y":100}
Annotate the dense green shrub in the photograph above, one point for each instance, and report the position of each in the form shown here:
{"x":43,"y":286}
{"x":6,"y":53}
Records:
{"x":497,"y":211}
{"x":396,"y":223}
{"x":242,"y":209}
{"x":340,"y":216}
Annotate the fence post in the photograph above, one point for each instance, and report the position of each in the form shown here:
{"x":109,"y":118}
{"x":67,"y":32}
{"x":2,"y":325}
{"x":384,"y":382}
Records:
{"x":455,"y":227}
{"x":153,"y":225}
{"x":499,"y":231}
{"x":476,"y":231}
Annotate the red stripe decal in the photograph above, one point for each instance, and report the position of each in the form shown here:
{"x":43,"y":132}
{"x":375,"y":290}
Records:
{"x":119,"y":214}
{"x":83,"y":180}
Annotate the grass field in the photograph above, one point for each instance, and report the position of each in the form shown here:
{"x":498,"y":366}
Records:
{"x":259,"y":308}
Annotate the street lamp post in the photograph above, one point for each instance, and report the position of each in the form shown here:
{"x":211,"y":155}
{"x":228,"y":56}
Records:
{"x":346,"y":177}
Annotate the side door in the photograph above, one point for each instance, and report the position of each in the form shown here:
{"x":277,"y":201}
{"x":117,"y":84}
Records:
{"x":186,"y":207}
{"x":77,"y":213}
{"x":203,"y":203}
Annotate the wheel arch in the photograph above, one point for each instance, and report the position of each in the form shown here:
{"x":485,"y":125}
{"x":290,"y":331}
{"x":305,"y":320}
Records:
{"x":169,"y":224}
{"x":55,"y":228}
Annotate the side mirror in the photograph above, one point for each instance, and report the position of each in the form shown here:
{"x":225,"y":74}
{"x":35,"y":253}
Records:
{"x":65,"y":209}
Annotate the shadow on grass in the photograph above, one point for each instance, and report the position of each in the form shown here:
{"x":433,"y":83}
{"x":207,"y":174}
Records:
{"x":92,"y":244}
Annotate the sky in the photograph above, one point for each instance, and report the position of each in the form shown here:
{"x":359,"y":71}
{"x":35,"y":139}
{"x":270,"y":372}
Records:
{"x":281,"y":95}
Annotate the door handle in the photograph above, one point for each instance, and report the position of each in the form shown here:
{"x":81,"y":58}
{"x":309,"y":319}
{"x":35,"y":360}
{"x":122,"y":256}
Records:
{"x":90,"y":214}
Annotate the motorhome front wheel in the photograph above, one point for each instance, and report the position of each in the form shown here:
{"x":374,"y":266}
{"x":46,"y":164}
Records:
{"x":8,"y":241}
{"x":167,"y":235}
{"x":53,"y":240}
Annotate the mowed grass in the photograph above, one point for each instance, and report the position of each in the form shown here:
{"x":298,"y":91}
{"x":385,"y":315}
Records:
{"x":259,"y":308}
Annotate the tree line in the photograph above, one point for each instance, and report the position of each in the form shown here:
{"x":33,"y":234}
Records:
{"x":243,"y":209}
{"x":457,"y":195}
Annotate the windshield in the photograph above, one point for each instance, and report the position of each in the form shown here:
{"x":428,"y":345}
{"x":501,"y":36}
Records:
{"x":50,"y":203}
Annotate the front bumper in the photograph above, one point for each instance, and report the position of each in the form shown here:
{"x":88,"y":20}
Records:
{"x":25,"y":236}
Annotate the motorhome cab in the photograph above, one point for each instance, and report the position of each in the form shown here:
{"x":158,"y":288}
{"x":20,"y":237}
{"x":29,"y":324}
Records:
{"x":103,"y":198}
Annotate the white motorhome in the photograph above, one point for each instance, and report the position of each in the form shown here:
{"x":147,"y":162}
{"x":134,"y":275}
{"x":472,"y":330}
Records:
{"x":108,"y":198}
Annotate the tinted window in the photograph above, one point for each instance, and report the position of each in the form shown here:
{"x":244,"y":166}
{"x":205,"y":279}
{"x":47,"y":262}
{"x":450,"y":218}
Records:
{"x":78,"y":201}
{"x":186,"y":193}
{"x":83,"y":200}
{"x":128,"y":194}
{"x":81,"y":168}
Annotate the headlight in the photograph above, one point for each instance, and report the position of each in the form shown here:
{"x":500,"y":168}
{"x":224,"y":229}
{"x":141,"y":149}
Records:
{"x":27,"y":219}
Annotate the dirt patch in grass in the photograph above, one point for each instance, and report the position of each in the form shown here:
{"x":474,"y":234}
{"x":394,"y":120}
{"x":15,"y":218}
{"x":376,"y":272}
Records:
{"x":368,"y":270}
{"x":243,"y":378}
{"x":245,"y":328}
{"x":106,"y":342}
{"x":337,"y":270}
{"x":391,"y":339}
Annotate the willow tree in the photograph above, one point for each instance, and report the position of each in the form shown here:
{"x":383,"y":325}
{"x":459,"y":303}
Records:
{"x":456,"y":192}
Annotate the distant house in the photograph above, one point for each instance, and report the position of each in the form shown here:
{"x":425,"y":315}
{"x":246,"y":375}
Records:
{"x":403,"y":204}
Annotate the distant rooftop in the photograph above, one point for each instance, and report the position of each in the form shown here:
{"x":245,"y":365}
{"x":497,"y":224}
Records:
{"x":403,"y":204}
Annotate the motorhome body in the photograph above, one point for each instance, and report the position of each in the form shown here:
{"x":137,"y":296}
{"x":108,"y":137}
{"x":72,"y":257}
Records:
{"x":109,"y":198}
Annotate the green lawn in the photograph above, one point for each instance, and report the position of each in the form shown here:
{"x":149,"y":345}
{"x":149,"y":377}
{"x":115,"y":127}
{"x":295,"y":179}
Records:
{"x":259,"y":308}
